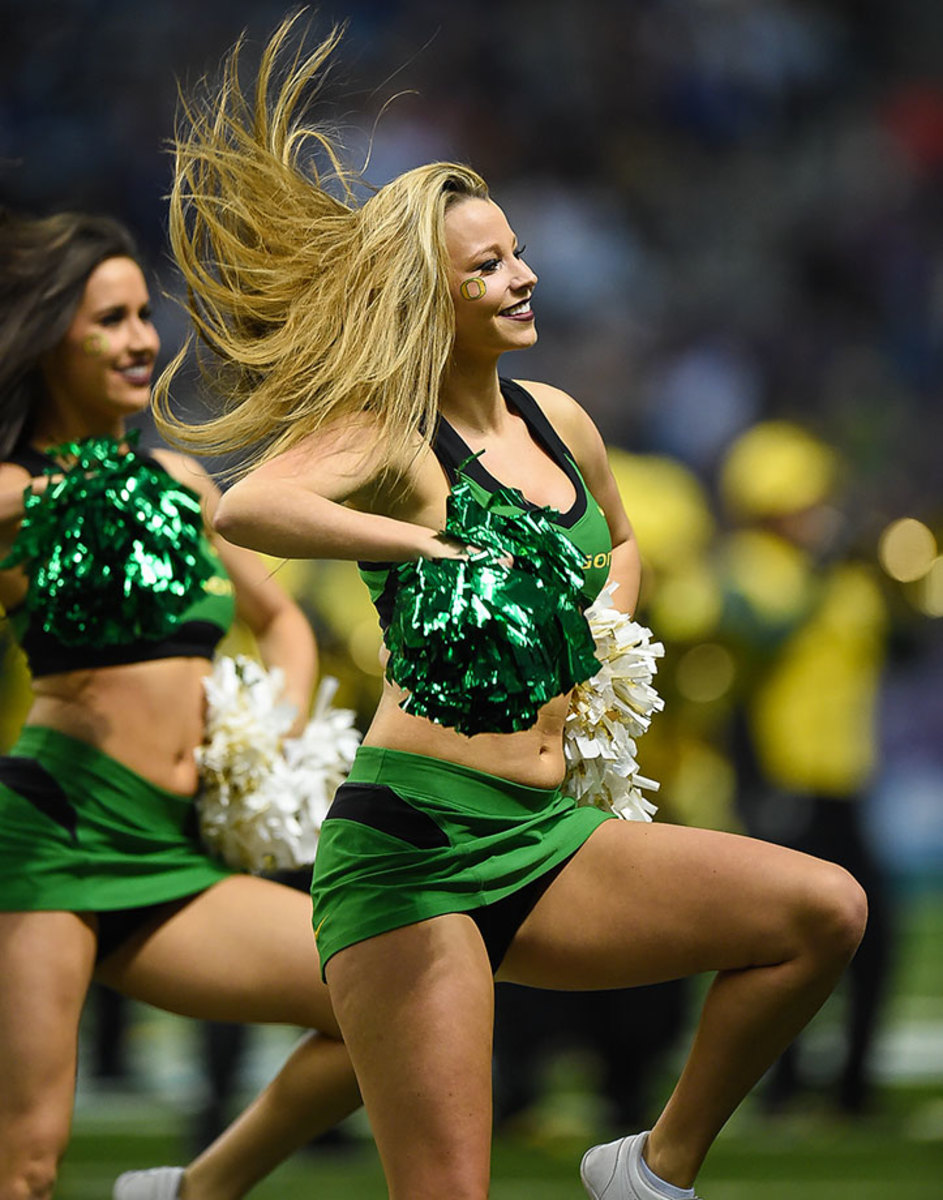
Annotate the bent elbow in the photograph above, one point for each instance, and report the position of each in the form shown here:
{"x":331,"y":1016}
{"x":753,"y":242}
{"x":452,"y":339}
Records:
{"x":229,"y":522}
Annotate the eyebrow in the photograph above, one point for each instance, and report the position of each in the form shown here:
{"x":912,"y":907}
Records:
{"x":493,"y":248}
{"x":118,"y":306}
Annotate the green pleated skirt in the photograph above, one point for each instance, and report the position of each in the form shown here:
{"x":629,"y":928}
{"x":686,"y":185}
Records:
{"x":81,"y":832}
{"x":410,"y":837}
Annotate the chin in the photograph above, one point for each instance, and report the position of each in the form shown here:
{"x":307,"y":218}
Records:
{"x":137,"y":402}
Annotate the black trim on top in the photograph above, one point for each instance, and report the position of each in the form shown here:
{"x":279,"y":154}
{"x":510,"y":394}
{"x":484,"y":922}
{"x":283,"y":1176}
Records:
{"x":452,"y":451}
{"x":387,"y":597}
{"x":36,"y":462}
{"x":190,"y":639}
{"x":30,"y":459}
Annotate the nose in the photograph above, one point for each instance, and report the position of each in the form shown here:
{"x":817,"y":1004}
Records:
{"x":525,"y":277}
{"x":143,"y":337}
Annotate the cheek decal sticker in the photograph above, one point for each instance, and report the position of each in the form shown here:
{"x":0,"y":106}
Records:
{"x":94,"y":345}
{"x":473,"y":289}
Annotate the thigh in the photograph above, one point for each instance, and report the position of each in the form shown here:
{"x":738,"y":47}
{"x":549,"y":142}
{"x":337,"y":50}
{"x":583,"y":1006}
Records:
{"x":644,"y":903}
{"x":46,"y":961}
{"x":416,"y":1006}
{"x":243,"y":950}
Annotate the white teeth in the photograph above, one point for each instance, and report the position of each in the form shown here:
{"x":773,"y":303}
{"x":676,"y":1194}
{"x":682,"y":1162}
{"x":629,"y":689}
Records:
{"x":521,"y":307}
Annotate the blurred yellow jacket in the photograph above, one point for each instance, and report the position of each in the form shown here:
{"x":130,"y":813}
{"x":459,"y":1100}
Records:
{"x":813,"y":711}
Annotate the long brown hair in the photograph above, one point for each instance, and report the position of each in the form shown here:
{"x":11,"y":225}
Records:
{"x":45,"y":263}
{"x":314,"y":308}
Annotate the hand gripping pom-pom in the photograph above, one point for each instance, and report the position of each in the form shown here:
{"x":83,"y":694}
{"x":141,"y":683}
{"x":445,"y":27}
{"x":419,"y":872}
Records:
{"x":112,"y":547}
{"x":263,"y":795}
{"x":481,"y":646}
{"x":609,"y":711}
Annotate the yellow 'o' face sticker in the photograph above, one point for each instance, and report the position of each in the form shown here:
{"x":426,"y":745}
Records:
{"x":94,"y":345}
{"x":473,"y":289}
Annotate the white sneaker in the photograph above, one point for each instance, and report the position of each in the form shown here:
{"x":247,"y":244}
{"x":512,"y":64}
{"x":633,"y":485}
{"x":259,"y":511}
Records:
{"x":611,"y":1171}
{"x":159,"y":1183}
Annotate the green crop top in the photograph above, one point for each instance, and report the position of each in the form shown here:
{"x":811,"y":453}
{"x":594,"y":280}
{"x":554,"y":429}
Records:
{"x":584,"y":523}
{"x":196,"y":635}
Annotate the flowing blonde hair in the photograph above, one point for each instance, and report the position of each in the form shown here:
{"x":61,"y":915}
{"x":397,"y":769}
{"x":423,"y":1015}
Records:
{"x":315,"y":309}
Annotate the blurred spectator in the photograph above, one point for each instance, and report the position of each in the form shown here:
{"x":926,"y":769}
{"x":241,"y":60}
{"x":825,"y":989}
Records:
{"x":629,"y":1033}
{"x":807,"y":624}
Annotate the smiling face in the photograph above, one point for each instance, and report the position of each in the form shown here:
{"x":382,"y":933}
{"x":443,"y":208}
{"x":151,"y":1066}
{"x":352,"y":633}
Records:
{"x":489,"y":282}
{"x":100,"y":372}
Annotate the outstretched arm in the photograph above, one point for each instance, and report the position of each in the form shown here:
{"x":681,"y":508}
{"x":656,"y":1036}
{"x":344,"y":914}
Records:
{"x":317,"y":501}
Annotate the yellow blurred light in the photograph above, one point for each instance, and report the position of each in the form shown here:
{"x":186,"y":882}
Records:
{"x":704,"y":673}
{"x":15,"y":692}
{"x":666,"y":503}
{"x":907,"y":549}
{"x":292,"y":574}
{"x":702,"y":786}
{"x":363,"y":643}
{"x":687,"y":603}
{"x":340,"y":598}
{"x":776,"y":468}
{"x":930,"y":593}
{"x":771,"y":574}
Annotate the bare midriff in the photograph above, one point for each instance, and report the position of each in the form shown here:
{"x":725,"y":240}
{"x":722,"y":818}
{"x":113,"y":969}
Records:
{"x":149,"y":716}
{"x":533,"y":757}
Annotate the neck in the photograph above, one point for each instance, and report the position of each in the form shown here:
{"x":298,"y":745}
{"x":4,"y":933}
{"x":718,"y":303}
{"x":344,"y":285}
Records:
{"x":470,"y":396}
{"x":57,"y":427}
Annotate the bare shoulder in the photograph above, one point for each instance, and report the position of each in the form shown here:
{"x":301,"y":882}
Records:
{"x":185,"y":469}
{"x":14,"y":480}
{"x":551,"y":399}
{"x":568,"y":417}
{"x":13,"y":477}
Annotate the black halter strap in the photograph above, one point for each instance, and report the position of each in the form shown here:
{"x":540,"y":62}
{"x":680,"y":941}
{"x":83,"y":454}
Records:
{"x":452,"y":451}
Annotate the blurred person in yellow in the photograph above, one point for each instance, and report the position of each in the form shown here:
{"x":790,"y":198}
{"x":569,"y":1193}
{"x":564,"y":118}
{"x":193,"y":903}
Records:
{"x":807,"y":623}
{"x":682,"y":599}
{"x":14,"y":687}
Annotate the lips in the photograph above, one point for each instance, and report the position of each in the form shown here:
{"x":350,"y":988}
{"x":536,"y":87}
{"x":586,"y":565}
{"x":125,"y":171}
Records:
{"x":521,"y":309}
{"x":139,"y":375}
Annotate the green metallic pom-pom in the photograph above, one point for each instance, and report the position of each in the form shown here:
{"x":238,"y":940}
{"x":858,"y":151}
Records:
{"x":112,"y":547}
{"x":481,"y":646}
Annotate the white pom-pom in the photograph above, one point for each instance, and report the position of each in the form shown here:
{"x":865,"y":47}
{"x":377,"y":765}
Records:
{"x":263,"y":795}
{"x":608,"y":712}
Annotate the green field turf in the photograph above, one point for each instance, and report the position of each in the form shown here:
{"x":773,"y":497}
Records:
{"x":870,"y":1161}
{"x":896,"y":1153}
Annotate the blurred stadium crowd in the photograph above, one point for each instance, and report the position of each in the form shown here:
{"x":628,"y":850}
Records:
{"x":734,"y":207}
{"x":736,"y":211}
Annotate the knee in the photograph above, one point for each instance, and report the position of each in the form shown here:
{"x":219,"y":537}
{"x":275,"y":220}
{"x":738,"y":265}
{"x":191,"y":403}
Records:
{"x":837,"y":914}
{"x":30,"y":1168}
{"x":30,"y":1151}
